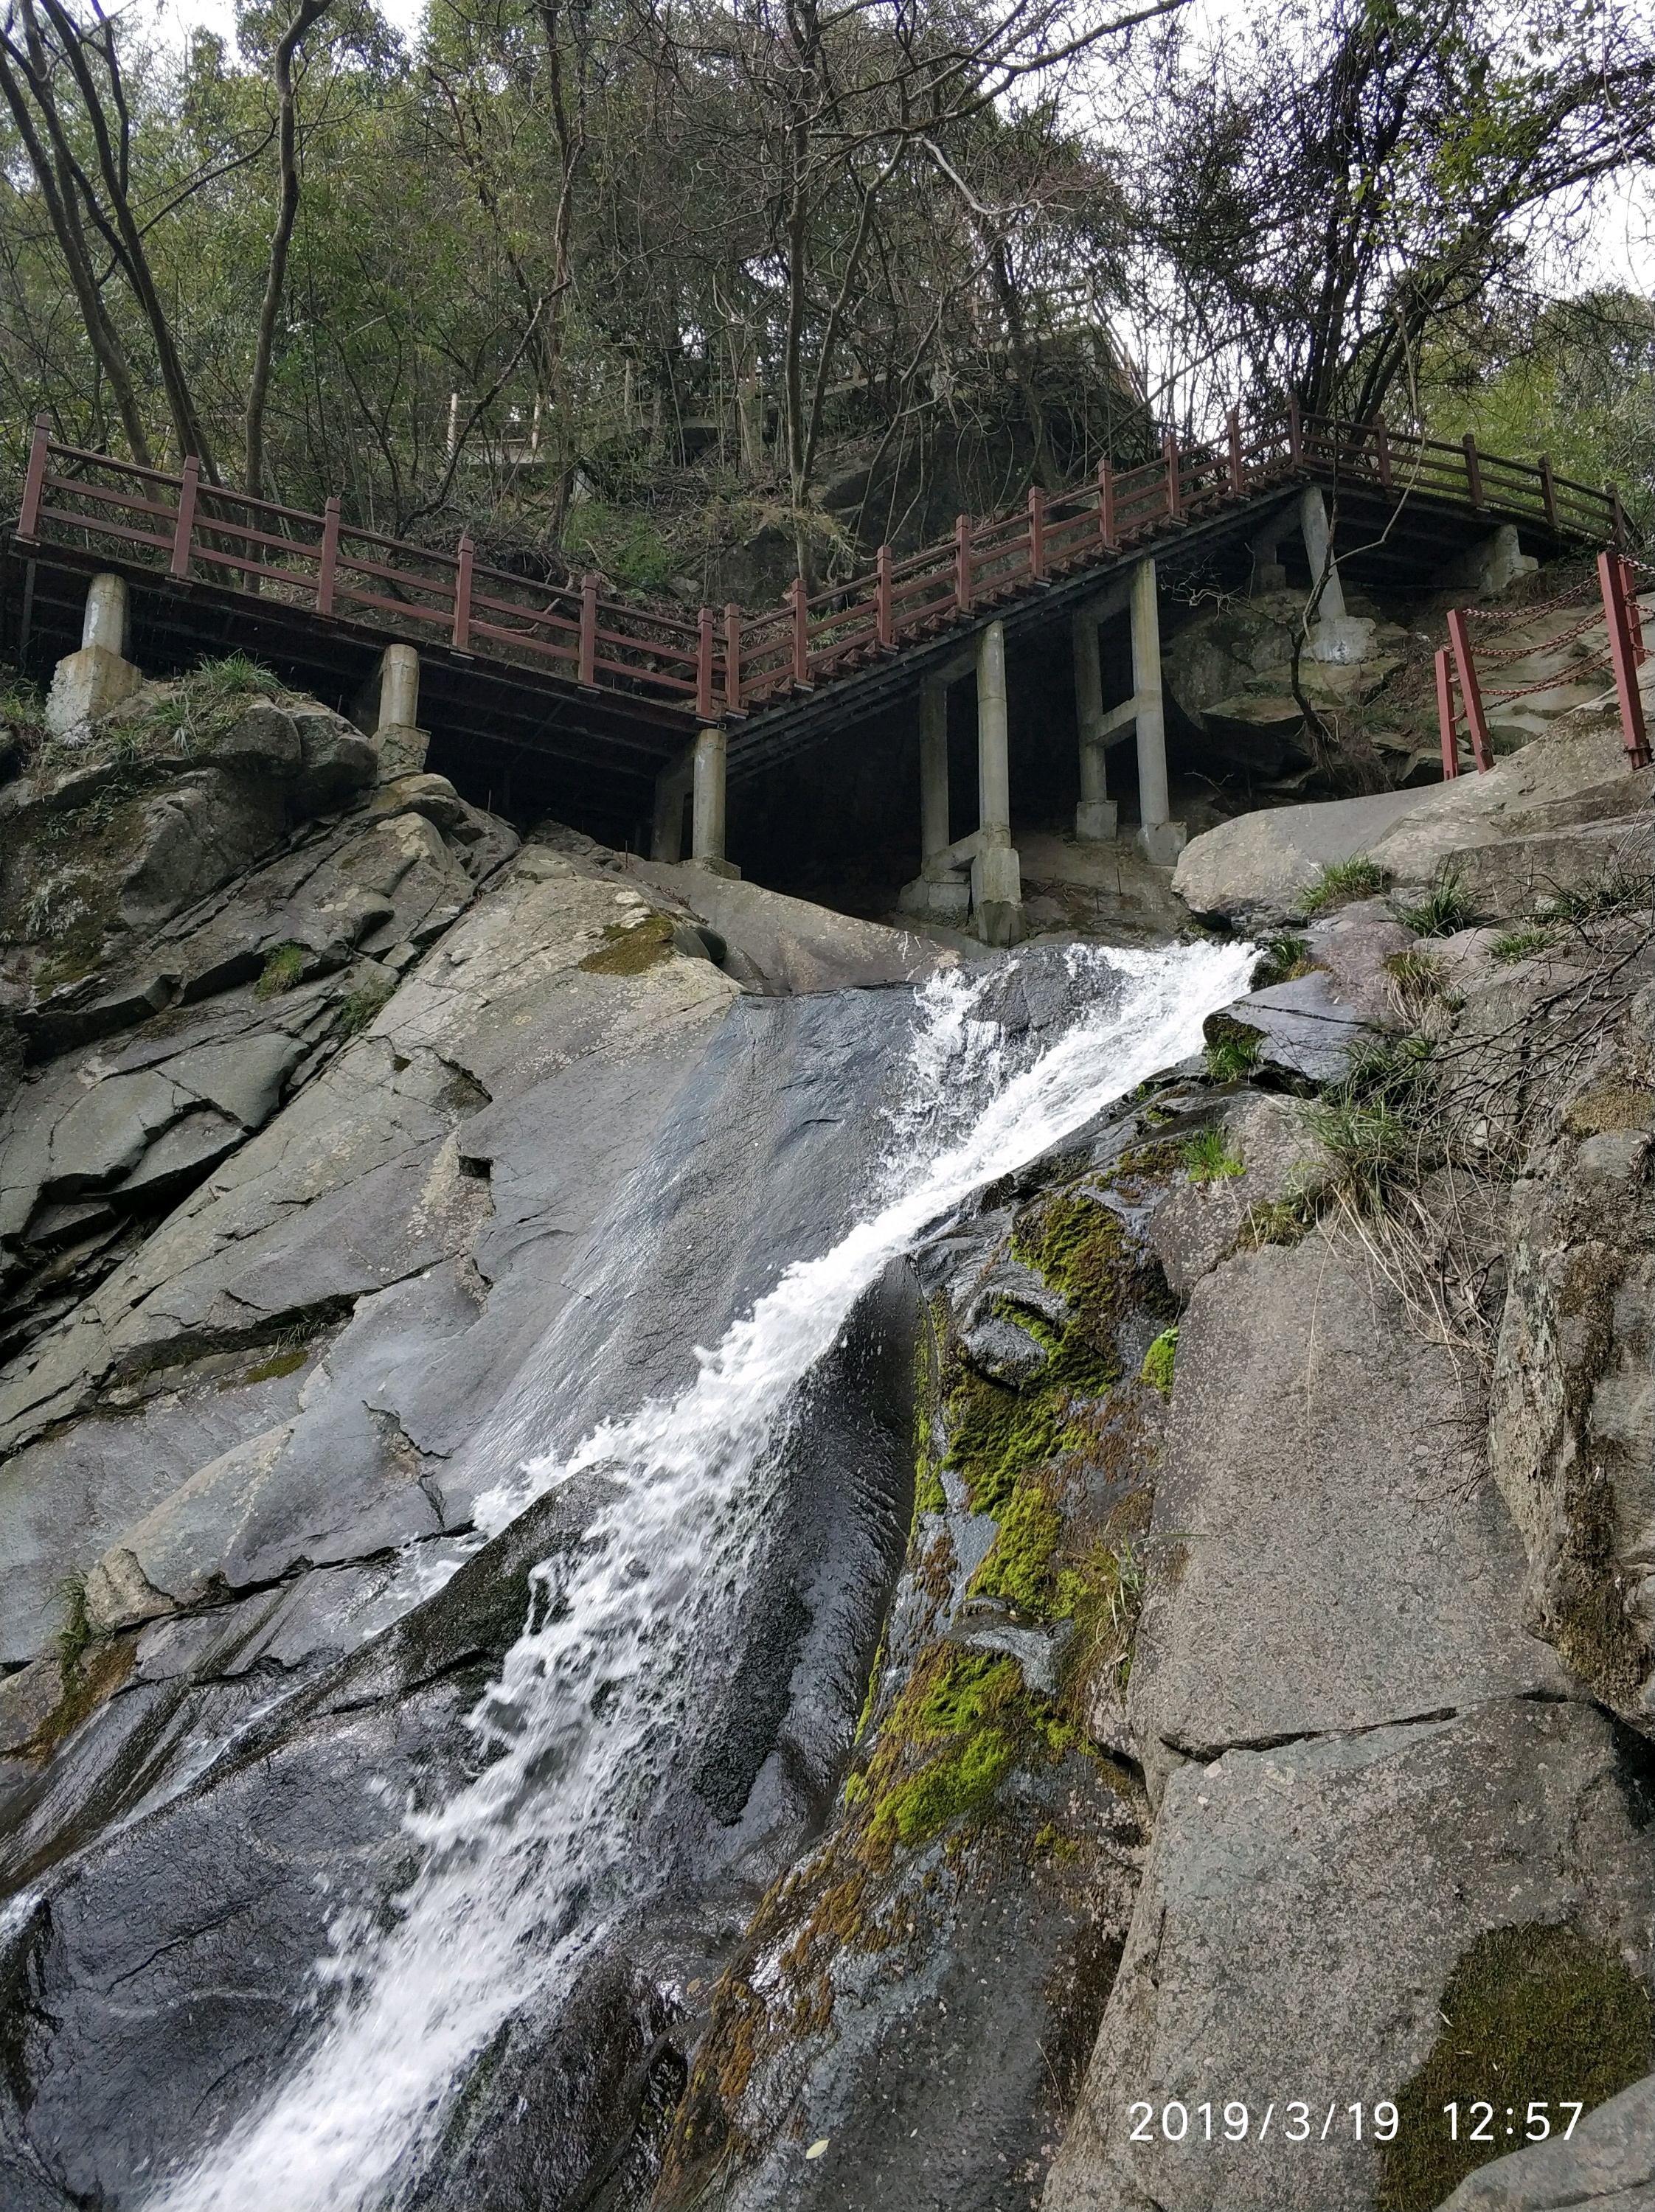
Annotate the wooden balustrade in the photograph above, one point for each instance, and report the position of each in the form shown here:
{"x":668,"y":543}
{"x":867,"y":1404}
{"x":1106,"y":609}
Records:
{"x":192,"y":531}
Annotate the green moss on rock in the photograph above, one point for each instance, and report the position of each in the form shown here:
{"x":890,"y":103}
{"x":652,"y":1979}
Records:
{"x":1159,"y":1360}
{"x":632,"y":949}
{"x":1018,"y":1566}
{"x":1533,"y":2013}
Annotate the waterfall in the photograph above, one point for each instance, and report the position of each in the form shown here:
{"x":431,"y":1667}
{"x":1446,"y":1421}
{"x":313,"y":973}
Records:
{"x":524,"y":1868}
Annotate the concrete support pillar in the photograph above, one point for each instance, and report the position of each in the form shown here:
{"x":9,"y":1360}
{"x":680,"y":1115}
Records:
{"x":996,"y":875}
{"x":672,"y":785}
{"x":940,"y":891}
{"x":87,"y":683}
{"x":1096,"y":816}
{"x":708,"y":759}
{"x":1269,"y":573}
{"x":399,"y":688}
{"x":1157,"y":838}
{"x":934,"y":769}
{"x":1335,"y":635}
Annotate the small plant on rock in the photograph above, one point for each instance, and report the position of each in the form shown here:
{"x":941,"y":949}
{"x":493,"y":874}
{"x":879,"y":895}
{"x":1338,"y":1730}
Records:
{"x":362,"y":1006}
{"x":1206,"y":1158}
{"x":1159,"y":1360}
{"x":1444,"y":911}
{"x":1232,"y":1057}
{"x":285,"y":966}
{"x":1341,"y":882}
{"x":1284,"y":959}
{"x":1521,"y":944}
{"x":234,"y":674}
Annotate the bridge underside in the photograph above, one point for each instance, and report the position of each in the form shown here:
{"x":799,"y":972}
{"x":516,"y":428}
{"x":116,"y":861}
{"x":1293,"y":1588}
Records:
{"x":532,"y":744}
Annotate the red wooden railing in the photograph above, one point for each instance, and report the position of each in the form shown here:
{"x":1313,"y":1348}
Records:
{"x":1609,"y":625}
{"x":713,"y":668}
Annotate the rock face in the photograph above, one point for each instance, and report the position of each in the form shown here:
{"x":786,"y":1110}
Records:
{"x":1551,"y":818}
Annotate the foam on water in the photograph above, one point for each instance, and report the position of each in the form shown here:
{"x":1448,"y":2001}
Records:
{"x":524,"y":1869}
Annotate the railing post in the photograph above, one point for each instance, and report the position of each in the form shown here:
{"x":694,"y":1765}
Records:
{"x":1170,"y":448}
{"x":185,"y":528}
{"x":704,"y":623}
{"x":1295,"y":432}
{"x":1617,"y":518}
{"x":1451,"y":758}
{"x":462,"y":638}
{"x":1634,"y":612}
{"x":733,"y":657}
{"x":882,"y":597}
{"x":28,"y":519}
{"x":1472,"y":471}
{"x":1548,"y":491}
{"x":1382,"y":452}
{"x":1612,"y":582}
{"x":800,"y":633}
{"x":963,"y":563}
{"x":1037,"y":533}
{"x":1106,"y":508}
{"x":586,"y":667}
{"x":1465,"y":669}
{"x":330,"y":560}
{"x":1233,"y":424}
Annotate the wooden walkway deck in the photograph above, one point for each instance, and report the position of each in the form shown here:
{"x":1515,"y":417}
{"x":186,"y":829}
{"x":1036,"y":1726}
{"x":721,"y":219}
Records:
{"x":605,"y":691}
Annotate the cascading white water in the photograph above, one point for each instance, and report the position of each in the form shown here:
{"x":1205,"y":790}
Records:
{"x":525,"y":1867}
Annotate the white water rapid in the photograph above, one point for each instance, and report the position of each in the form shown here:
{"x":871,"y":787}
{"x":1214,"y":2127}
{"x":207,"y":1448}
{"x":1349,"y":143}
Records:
{"x":524,"y":1868}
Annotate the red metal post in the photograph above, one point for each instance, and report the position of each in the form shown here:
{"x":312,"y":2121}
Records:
{"x":330,"y":560}
{"x":586,"y":667}
{"x":1472,"y":471}
{"x":1612,"y":581}
{"x":733,"y":657}
{"x":1295,"y":432}
{"x":1170,"y":448}
{"x":1634,"y":612}
{"x":1106,"y":507}
{"x":1382,"y":452}
{"x":704,"y":622}
{"x":1548,"y":490}
{"x":1465,"y":669}
{"x":882,"y":597}
{"x":1238,"y":477}
{"x":462,"y":639}
{"x":1037,"y":533}
{"x":185,"y":528}
{"x":1451,"y":758}
{"x":800,"y":632}
{"x":963,"y":563}
{"x":28,"y":519}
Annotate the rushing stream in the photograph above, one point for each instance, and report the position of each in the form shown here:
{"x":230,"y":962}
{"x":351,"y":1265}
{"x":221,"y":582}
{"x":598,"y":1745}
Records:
{"x":525,"y":1869}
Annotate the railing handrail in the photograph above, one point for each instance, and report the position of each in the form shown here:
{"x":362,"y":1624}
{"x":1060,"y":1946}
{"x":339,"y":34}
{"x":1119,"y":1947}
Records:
{"x":753,"y":659}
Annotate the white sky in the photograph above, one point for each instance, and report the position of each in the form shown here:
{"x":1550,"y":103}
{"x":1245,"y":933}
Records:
{"x":1621,"y":250}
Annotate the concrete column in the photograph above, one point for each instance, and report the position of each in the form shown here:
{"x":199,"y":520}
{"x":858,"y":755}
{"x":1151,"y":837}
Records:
{"x":87,"y":683}
{"x":672,"y":789}
{"x":1096,"y":816}
{"x":105,"y":621}
{"x":934,"y":769}
{"x":707,"y":803}
{"x":400,"y":688}
{"x":1335,"y":635}
{"x":940,"y":891}
{"x":1158,"y":839}
{"x":996,"y":875}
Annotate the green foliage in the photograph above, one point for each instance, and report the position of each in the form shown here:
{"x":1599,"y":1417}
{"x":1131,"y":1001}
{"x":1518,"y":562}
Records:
{"x":1159,"y":1360}
{"x":285,"y":967}
{"x":1207,"y":1159}
{"x":233,"y":677}
{"x":1378,"y":1123}
{"x":364,"y":1006}
{"x":1444,"y":910}
{"x":1532,"y":2014}
{"x":1341,"y":883}
{"x":1018,"y":1568}
{"x":1233,"y":1055}
{"x":625,"y":544}
{"x":1284,"y":958}
{"x":1521,"y":944}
